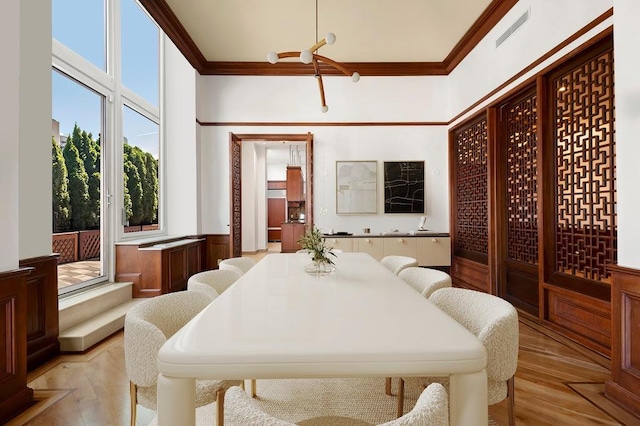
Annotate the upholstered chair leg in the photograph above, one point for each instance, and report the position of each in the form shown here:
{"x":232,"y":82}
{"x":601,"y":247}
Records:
{"x":400,"y":397}
{"x":387,"y":386}
{"x":253,"y":388}
{"x":511,"y":401}
{"x":220,"y":407}
{"x":133,"y":393}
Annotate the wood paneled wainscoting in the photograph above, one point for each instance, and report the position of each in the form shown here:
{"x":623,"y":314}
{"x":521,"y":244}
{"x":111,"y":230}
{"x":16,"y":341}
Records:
{"x":15,"y":396}
{"x":217,"y":248}
{"x":624,"y":386}
{"x":42,"y":309}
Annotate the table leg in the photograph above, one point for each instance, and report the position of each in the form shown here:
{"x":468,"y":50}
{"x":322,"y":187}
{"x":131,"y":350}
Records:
{"x":468,"y":399}
{"x":176,"y":401}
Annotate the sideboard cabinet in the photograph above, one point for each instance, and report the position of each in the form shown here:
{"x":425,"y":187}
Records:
{"x":159,"y":267}
{"x":429,"y":250}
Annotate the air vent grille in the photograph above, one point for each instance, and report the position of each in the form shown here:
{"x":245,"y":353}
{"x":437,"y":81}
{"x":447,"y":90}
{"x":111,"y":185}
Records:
{"x":521,"y":20}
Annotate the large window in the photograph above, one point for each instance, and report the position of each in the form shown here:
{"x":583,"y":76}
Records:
{"x":106,"y":140}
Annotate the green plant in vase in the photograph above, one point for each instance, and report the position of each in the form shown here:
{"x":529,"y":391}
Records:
{"x":320,"y":252}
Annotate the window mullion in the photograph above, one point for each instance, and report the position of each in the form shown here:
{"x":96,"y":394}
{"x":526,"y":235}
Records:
{"x":78,"y":68}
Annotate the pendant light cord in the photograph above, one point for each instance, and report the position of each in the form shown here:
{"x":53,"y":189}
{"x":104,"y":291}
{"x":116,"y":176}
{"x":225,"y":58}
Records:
{"x":316,"y":21}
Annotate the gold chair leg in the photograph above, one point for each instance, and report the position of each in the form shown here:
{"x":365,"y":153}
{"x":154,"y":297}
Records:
{"x":387,"y":386}
{"x":133,"y":394}
{"x":242,"y":385}
{"x":253,"y":388}
{"x":511,"y":400}
{"x":401,"y":398}
{"x":220,"y":407}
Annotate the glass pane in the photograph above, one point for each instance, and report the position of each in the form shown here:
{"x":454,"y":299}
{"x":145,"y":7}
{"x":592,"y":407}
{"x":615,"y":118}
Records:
{"x":140,"y":52}
{"x":141,"y":155}
{"x":75,"y":158}
{"x":80,"y":25}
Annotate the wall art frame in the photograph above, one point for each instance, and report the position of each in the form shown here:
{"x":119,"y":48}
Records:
{"x":404,"y":187}
{"x":356,"y":187}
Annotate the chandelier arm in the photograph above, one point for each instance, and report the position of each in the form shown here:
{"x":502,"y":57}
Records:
{"x":323,"y":101}
{"x":333,"y":64}
{"x":318,"y":45}
{"x":288,"y":55}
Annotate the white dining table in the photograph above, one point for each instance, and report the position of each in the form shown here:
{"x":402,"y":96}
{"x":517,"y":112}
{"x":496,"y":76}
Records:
{"x":276,"y":321}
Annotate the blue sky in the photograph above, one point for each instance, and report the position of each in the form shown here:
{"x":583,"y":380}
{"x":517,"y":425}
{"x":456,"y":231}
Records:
{"x":79,"y":24}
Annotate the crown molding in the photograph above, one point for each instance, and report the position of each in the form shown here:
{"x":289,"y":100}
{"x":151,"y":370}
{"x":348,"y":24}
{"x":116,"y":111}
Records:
{"x":496,"y":10}
{"x":173,"y":28}
{"x":168,"y":21}
{"x":298,"y":68}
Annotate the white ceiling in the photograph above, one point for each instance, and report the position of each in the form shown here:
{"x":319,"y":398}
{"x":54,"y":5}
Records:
{"x":366,"y":30}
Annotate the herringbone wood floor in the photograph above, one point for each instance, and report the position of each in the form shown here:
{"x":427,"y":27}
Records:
{"x":557,"y":383}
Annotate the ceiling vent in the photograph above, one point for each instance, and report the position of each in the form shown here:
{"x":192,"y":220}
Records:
{"x":512,"y":29}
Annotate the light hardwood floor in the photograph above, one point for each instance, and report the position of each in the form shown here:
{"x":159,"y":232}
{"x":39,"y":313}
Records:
{"x":557,"y":383}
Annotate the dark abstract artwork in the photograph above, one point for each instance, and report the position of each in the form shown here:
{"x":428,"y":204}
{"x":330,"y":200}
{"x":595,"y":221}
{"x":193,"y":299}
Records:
{"x":404,"y":186}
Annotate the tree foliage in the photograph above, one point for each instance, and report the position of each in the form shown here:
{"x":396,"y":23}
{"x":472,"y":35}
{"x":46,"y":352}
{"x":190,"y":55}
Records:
{"x":76,"y":183}
{"x":60,"y":191}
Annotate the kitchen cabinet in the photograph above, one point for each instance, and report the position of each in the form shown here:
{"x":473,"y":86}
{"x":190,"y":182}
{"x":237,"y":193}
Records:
{"x":291,"y":233}
{"x":295,"y":184}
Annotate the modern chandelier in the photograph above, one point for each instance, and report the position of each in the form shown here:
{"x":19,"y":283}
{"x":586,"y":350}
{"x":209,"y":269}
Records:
{"x":310,"y":56}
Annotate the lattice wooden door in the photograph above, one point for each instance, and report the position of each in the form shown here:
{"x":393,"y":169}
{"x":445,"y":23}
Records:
{"x":585,"y":237}
{"x":518,"y":209}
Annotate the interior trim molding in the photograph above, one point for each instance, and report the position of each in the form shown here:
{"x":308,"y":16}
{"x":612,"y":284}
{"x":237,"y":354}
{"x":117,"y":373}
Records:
{"x":320,"y":123}
{"x":173,"y":28}
{"x":370,"y":69}
{"x":161,"y":12}
{"x":496,"y":10}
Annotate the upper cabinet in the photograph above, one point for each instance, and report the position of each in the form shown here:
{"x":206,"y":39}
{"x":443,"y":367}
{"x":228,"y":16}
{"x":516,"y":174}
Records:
{"x":295,"y":184}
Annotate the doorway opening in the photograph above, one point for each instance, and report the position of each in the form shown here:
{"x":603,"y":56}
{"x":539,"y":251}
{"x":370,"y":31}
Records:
{"x":235,"y":167}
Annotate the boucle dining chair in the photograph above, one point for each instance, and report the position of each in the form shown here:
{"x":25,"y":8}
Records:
{"x":431,"y":409}
{"x":242,"y":263}
{"x":213,"y":282}
{"x":147,"y":326}
{"x":425,"y":280}
{"x":397,"y":263}
{"x":494,"y":321}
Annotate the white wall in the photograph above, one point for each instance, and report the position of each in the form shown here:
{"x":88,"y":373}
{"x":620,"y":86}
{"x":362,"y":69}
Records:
{"x":180,"y":158}
{"x":377,"y":99}
{"x":290,"y":99}
{"x":627,"y":63}
{"x":9,"y":132}
{"x":341,"y":143}
{"x":35,"y":129}
{"x":487,"y":67}
{"x":254,"y":197}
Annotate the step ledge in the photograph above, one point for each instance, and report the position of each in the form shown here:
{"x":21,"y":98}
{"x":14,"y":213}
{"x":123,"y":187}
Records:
{"x":86,"y":305}
{"x":86,"y":334}
{"x":71,"y":301}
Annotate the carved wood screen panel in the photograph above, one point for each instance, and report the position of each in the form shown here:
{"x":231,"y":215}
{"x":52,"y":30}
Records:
{"x":586,"y":229}
{"x":236,"y":203}
{"x":519,"y":127}
{"x":470,"y":165}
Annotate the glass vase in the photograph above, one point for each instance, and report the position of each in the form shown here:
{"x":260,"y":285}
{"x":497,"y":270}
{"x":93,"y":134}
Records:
{"x":319,"y":268}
